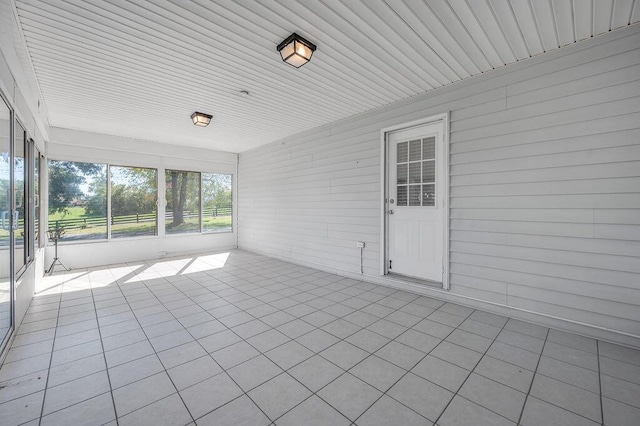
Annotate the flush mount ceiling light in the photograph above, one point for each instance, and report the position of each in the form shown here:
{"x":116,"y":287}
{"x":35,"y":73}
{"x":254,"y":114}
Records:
{"x":201,"y":119}
{"x":296,"y":51}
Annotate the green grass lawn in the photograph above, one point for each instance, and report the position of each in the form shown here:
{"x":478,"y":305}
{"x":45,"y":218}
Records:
{"x":71,"y":213}
{"x":209,"y":224}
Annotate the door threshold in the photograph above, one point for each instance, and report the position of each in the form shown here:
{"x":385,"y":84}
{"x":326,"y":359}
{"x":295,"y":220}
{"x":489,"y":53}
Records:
{"x":412,"y":280}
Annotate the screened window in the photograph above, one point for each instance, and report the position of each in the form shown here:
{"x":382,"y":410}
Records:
{"x":183,"y":201}
{"x":216,"y":202}
{"x":5,"y":209}
{"x":78,"y":199}
{"x":133,"y":201}
{"x":19,"y":199}
{"x":36,"y":197}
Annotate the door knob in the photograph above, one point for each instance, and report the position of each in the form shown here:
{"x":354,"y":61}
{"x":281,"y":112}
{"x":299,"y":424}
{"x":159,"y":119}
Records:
{"x":390,"y":211}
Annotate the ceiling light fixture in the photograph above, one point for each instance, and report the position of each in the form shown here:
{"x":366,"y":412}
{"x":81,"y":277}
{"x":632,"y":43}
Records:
{"x":201,"y":119}
{"x":296,"y":51}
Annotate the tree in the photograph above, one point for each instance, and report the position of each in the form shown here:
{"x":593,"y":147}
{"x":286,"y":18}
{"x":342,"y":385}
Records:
{"x":65,"y":180}
{"x":216,"y":190}
{"x":133,"y":190}
{"x":183,"y":194}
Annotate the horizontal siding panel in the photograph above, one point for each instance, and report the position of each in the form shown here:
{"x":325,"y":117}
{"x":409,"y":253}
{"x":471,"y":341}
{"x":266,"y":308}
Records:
{"x":589,"y":171}
{"x":543,"y":269}
{"x":592,"y":156}
{"x":562,"y":257}
{"x":595,"y":290}
{"x":619,"y":217}
{"x":620,"y":56}
{"x":617,"y":97}
{"x":617,"y":232}
{"x":473,"y":281}
{"x":578,"y":245}
{"x":533,"y":228}
{"x":569,"y":115}
{"x":476,"y":293}
{"x":629,"y":73}
{"x":588,"y":304}
{"x":587,"y":317}
{"x":585,"y":186}
{"x":581,"y":143}
{"x":525,"y":215}
{"x":355,"y":188}
{"x":602,"y":201}
{"x":597,"y":126}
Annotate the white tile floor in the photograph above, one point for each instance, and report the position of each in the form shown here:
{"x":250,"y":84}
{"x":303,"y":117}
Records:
{"x":241,"y":339}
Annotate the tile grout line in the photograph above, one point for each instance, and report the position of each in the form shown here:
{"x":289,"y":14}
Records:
{"x":196,"y":340}
{"x":600,"y":382}
{"x":315,"y":328}
{"x":55,"y":332}
{"x":472,"y":370}
{"x":104,"y":356}
{"x":133,"y":271}
{"x":344,"y":340}
{"x":546,"y":338}
{"x":245,"y":279}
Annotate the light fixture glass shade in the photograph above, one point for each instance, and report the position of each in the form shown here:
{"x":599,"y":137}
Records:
{"x":201,"y":119}
{"x":296,"y":51}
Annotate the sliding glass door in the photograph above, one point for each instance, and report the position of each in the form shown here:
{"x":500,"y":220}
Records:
{"x":6,"y":297}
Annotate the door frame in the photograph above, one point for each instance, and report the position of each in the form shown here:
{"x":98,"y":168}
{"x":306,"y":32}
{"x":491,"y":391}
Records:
{"x":384,"y":228}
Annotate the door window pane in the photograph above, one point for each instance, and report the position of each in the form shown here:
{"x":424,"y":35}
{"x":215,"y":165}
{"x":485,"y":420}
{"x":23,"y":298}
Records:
{"x":401,"y":175}
{"x":429,"y":148}
{"x":133,"y":201}
{"x":216,"y":202}
{"x":428,"y":171}
{"x":5,"y":208}
{"x":414,"y":195}
{"x":183,"y":202}
{"x":19,"y":222}
{"x":78,"y":199}
{"x":414,"y":173}
{"x":428,"y":195}
{"x":402,"y":195}
{"x":403,"y":152}
{"x":415,"y":149}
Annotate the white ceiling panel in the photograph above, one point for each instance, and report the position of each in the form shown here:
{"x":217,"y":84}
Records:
{"x":139,"y":68}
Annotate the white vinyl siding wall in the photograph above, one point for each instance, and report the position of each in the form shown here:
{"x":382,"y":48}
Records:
{"x":544,"y":186}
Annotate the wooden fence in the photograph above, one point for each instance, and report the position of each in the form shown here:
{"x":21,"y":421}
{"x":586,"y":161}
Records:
{"x":90,"y":222}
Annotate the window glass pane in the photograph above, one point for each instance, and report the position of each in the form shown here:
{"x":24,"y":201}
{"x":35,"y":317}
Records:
{"x":216,"y":202}
{"x":414,"y":173}
{"x":415,"y":150}
{"x":78,"y":199}
{"x":429,"y":148}
{"x":36,"y":190}
{"x":428,"y":195}
{"x":19,"y":225}
{"x":428,"y":171}
{"x":414,"y":195}
{"x":403,"y":152}
{"x":133,"y":201}
{"x":401,"y":175}
{"x":402,"y":196}
{"x":183,"y":202}
{"x":5,"y":265}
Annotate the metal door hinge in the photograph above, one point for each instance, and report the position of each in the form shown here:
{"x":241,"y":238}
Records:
{"x":389,"y":263}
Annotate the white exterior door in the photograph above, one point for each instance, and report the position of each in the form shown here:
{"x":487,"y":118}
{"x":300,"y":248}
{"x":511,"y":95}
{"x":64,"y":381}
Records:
{"x":415,"y":202}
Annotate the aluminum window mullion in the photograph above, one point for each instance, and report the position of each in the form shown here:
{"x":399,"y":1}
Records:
{"x":108,"y":202}
{"x":201,"y":204}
